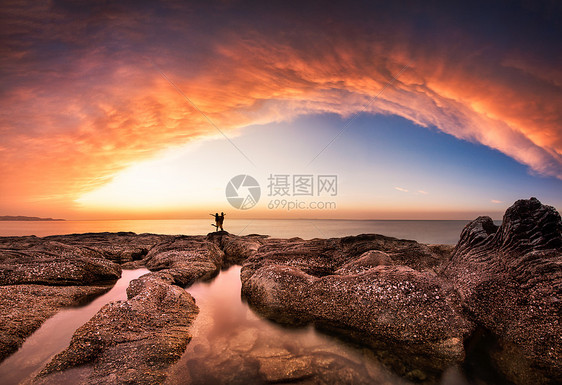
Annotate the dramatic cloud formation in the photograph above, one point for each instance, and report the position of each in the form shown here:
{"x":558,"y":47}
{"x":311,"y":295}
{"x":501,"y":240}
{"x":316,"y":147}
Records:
{"x":84,"y":95}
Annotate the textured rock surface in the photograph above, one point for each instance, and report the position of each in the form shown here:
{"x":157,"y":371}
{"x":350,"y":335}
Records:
{"x":320,"y":257}
{"x":378,"y":290}
{"x":510,"y":279}
{"x":135,"y":341}
{"x":414,"y":304}
{"x":237,"y":248}
{"x":32,"y":260}
{"x":23,"y":308}
{"x":131,"y":341}
{"x":186,"y":258}
{"x":119,"y":247}
{"x":231,"y":345}
{"x":41,"y":276}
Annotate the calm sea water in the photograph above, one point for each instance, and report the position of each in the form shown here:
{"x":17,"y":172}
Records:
{"x":422,"y":231}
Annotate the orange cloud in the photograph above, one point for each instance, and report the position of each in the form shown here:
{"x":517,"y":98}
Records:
{"x":74,"y":120}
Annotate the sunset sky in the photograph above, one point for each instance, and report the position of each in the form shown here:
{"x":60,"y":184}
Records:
{"x":422,"y":110}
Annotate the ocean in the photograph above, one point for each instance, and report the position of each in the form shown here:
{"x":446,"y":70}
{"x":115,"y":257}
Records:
{"x":424,"y":231}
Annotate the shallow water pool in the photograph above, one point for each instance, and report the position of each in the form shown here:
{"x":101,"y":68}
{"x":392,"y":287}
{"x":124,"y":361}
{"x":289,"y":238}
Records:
{"x":54,"y":334}
{"x":232,"y":345}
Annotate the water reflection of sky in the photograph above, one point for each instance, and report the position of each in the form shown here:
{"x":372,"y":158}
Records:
{"x":54,"y":334}
{"x":231,"y":344}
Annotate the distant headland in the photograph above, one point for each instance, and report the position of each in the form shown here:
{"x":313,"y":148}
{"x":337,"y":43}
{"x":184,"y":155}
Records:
{"x":24,"y":218}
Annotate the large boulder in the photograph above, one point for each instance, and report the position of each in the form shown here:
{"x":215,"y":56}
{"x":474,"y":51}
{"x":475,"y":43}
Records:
{"x":510,"y":279}
{"x":361,"y":288}
{"x":133,"y":341}
{"x":186,"y":258}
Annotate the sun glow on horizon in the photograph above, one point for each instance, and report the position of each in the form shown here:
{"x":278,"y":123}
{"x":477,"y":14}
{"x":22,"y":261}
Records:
{"x":159,"y":184}
{"x":190,"y":181}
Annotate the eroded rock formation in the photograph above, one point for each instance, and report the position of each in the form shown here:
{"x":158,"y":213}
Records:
{"x":131,"y":341}
{"x":378,"y":290}
{"x":510,"y":279}
{"x":39,"y":277}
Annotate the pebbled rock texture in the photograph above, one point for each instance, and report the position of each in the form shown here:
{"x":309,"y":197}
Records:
{"x":510,"y":280}
{"x":378,"y":290}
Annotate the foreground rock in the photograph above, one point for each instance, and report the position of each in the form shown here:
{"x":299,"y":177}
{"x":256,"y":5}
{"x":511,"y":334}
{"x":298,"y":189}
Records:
{"x":40,"y":277}
{"x":378,"y":290}
{"x":135,"y":341}
{"x":23,"y":308}
{"x":416,"y":306}
{"x":131,"y":341}
{"x":510,"y":279}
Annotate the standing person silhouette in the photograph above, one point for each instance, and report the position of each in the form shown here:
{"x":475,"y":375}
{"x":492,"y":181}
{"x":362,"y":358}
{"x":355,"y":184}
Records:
{"x":220,"y":221}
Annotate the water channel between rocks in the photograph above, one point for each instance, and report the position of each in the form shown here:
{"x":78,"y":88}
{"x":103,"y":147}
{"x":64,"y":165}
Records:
{"x":54,"y":334}
{"x":232,"y":345}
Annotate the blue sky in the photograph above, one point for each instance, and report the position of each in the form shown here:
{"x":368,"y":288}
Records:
{"x":387,"y":168}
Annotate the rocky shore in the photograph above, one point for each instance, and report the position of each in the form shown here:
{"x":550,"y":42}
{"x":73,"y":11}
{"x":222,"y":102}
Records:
{"x":419,"y":309}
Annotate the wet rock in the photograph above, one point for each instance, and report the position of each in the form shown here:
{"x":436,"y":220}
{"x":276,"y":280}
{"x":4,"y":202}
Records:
{"x":366,"y":261}
{"x":391,"y":305}
{"x":41,"y":276}
{"x":268,"y":352}
{"x":200,"y":346}
{"x":23,"y":308}
{"x":186,"y":259}
{"x":237,"y":248}
{"x":510,"y":279}
{"x":133,"y":341}
{"x":244,"y":340}
{"x":285,"y":369}
{"x":380,"y":291}
{"x":116,"y":332}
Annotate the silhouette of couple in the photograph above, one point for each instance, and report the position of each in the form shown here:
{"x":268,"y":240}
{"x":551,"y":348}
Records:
{"x":219,"y":219}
